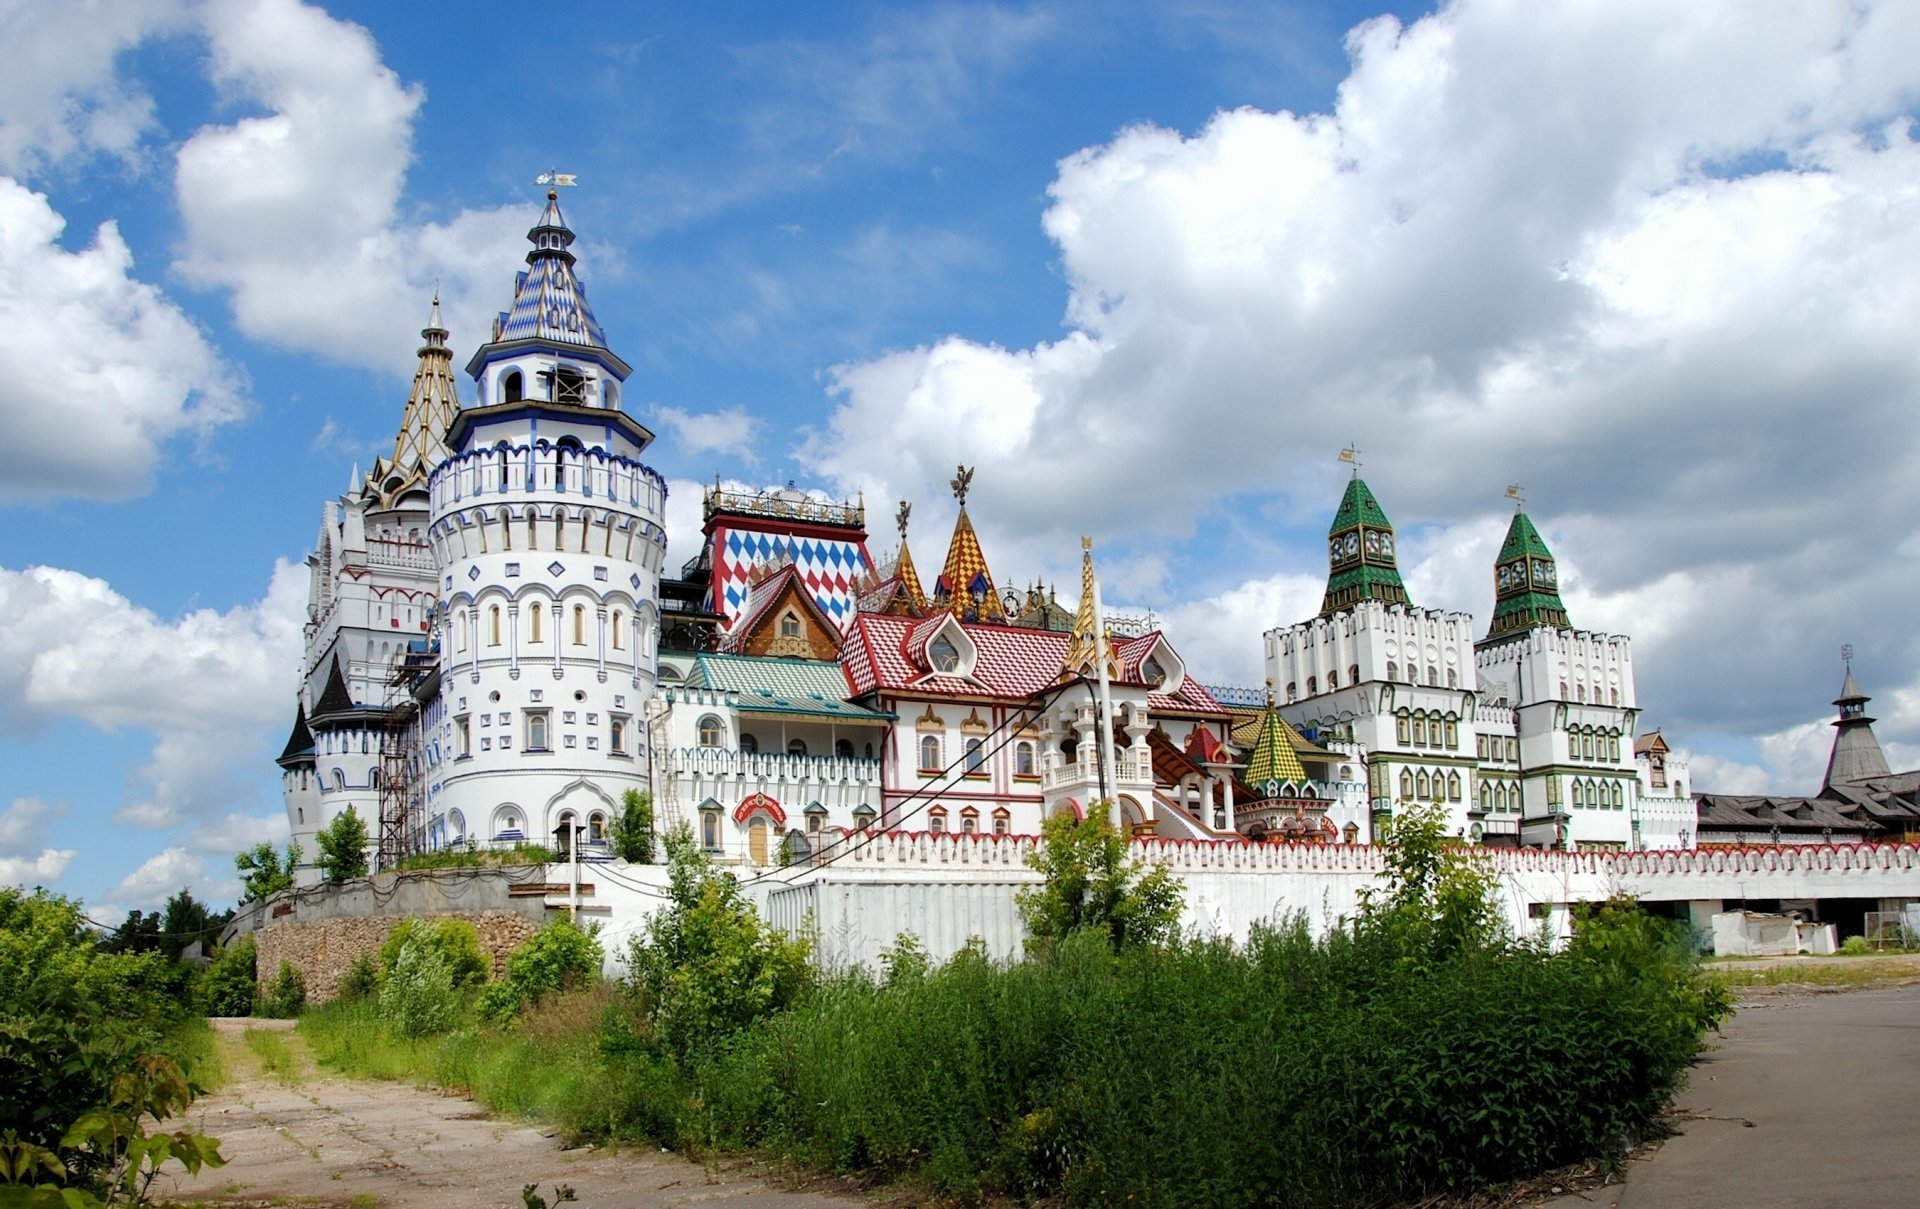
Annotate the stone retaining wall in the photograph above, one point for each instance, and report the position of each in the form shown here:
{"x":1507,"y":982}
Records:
{"x":323,"y":950}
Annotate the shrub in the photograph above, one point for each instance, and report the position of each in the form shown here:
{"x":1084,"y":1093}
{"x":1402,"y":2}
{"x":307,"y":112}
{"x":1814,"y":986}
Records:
{"x":1091,"y":884}
{"x":286,"y":995}
{"x":633,"y":828}
{"x":707,"y":967}
{"x":561,"y":956}
{"x":226,"y":986}
{"x":362,"y":979}
{"x":1855,"y":946}
{"x":455,"y":940}
{"x":417,"y":996}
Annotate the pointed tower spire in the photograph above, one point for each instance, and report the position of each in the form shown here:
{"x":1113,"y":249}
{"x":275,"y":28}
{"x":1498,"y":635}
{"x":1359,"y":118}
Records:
{"x":965,"y":587}
{"x":1526,"y":582}
{"x":1274,"y":761}
{"x":1361,"y":564}
{"x":1856,"y":754}
{"x":1087,"y":645}
{"x":431,"y":407}
{"x":904,"y":571}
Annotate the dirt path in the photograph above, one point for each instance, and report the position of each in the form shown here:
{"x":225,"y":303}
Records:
{"x":311,"y":1138}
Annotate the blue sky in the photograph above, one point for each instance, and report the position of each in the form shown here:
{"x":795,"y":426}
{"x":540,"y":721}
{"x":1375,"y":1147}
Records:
{"x":1148,"y":266}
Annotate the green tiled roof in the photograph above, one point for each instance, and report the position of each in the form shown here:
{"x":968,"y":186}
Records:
{"x":769,"y":685}
{"x":1274,"y":758}
{"x":1360,"y":553}
{"x":1526,"y":584}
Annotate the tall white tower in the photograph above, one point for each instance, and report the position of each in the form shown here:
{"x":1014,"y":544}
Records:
{"x":548,"y":539}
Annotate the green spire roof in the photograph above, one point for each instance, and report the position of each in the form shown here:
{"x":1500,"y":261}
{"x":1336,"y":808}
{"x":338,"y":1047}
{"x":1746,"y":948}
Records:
{"x":1274,"y":761}
{"x":1526,"y":584}
{"x":1361,"y":564}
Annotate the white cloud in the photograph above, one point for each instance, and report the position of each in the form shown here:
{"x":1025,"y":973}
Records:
{"x":295,"y":211}
{"x":1220,"y":637}
{"x":97,"y":369}
{"x":42,"y":870}
{"x":60,"y":96}
{"x":156,"y":880}
{"x":729,"y":431}
{"x":1677,"y":301}
{"x":211,"y":687}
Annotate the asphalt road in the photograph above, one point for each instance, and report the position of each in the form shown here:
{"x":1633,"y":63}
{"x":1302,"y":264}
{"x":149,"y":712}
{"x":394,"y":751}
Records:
{"x":1809,"y":1101}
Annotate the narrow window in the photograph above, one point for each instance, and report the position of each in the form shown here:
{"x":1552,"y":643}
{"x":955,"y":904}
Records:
{"x":493,"y":626}
{"x":619,"y":630}
{"x":1023,"y":759}
{"x":579,"y":625}
{"x":537,"y":730}
{"x":976,"y":759}
{"x":711,"y":731}
{"x":514,"y":387}
{"x":710,"y":830}
{"x":937,"y":821}
{"x":617,"y":735}
{"x":1000,"y":824}
{"x":533,"y":623}
{"x":929,"y":753}
{"x":749,"y":744}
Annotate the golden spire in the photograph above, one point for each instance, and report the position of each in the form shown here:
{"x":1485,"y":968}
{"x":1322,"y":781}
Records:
{"x":965,"y":587}
{"x":1081,"y":646}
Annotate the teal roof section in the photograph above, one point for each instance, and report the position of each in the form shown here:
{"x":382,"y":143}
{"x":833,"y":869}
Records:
{"x":772,"y":685}
{"x":1526,"y":585}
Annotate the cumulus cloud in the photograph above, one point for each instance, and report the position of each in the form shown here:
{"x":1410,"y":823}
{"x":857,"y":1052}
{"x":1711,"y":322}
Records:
{"x":211,"y":687}
{"x":60,"y":96}
{"x":729,"y":431}
{"x":295,"y":211}
{"x":156,"y":880}
{"x":98,"y":370}
{"x":25,"y":858}
{"x":1676,"y":300}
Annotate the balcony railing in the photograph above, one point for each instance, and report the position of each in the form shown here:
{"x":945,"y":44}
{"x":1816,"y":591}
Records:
{"x":1127,"y":770}
{"x":772,"y":766}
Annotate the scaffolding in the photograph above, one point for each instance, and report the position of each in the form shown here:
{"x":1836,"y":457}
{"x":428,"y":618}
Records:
{"x":402,"y":822}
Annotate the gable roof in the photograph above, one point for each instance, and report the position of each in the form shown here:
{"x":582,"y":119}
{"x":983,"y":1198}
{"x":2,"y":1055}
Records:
{"x":1011,"y":663}
{"x":763,"y":685}
{"x":781,"y":587}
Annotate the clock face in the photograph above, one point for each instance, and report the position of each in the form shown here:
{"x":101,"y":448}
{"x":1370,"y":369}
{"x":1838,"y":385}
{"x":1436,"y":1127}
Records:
{"x":1334,"y":548}
{"x":1353,"y":543}
{"x":1386,"y":543}
{"x":1506,"y":578}
{"x":1542,"y":571}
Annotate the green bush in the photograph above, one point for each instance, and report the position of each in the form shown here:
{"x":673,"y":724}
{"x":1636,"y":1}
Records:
{"x":1855,"y":946}
{"x":361,"y":981}
{"x":560,"y":957}
{"x":342,"y":846}
{"x":707,"y":967}
{"x":286,"y":995}
{"x":417,"y":995}
{"x":226,"y":986}
{"x":1091,"y":883}
{"x":633,"y":828}
{"x":455,"y":940}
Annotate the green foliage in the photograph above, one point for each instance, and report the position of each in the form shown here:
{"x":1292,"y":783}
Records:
{"x":362,"y":979}
{"x":417,"y":994}
{"x":1092,"y":884}
{"x":1855,"y":946}
{"x":707,"y":967}
{"x":226,"y":986}
{"x":905,"y":961}
{"x":285,"y":996}
{"x":265,"y":872}
{"x":343,"y":847}
{"x":1437,"y":901}
{"x":455,"y":940}
{"x":72,"y":1017}
{"x":108,"y":1156}
{"x":560,"y":957}
{"x":479,"y":858}
{"x":633,"y":828}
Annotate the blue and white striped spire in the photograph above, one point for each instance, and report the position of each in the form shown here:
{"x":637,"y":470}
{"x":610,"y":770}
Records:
{"x":549,"y":302}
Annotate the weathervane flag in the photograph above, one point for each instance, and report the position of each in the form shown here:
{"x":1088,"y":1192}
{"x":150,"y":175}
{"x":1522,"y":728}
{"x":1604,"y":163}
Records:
{"x":555,"y":178}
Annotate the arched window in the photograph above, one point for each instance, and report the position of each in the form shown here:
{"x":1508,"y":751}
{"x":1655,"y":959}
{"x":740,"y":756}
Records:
{"x":712,"y":733}
{"x":1423,"y":787}
{"x":1293,"y":691}
{"x":533,"y":622}
{"x":1353,"y":673}
{"x":513,"y":387}
{"x":579,"y":625}
{"x":460,"y":627}
{"x":976,"y":759}
{"x":1486,"y":796}
{"x":937,"y":820}
{"x":619,"y":630}
{"x":1393,"y":670}
{"x":843,"y":749}
{"x":796,"y":747}
{"x":1579,"y":795}
{"x":1313,"y":686}
{"x":1333,"y":681}
{"x":1619,"y":796}
{"x":1452,"y":680}
{"x":1406,"y":784}
{"x":1453,"y":734}
{"x":1404,"y":725}
{"x":537,"y":730}
{"x":748,"y":743}
{"x":944,"y":655}
{"x":1433,"y":677}
{"x":1420,"y":730}
{"x":596,"y":828}
{"x":1580,"y":692}
{"x":929,"y":753}
{"x":1453,"y":786}
{"x":493,"y":626}
{"x":710,"y":830}
{"x":1023,"y":759}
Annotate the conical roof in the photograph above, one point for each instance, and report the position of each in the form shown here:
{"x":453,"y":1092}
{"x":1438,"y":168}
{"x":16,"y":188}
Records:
{"x":909,"y":578}
{"x":549,"y":303}
{"x":1526,"y":584}
{"x":1856,"y":754}
{"x":431,"y":407}
{"x":965,"y":587}
{"x":1361,"y":563}
{"x":1274,"y":762}
{"x":299,"y":746}
{"x":1085,"y":646}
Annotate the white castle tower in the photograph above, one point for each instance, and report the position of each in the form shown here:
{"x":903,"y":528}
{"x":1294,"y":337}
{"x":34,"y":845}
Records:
{"x":547,"y":538}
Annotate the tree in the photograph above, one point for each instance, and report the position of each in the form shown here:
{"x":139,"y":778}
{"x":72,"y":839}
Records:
{"x":263,"y":872}
{"x":343,"y":847}
{"x":1091,"y":884}
{"x":633,"y":830}
{"x":184,"y":920}
{"x":1438,"y":898}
